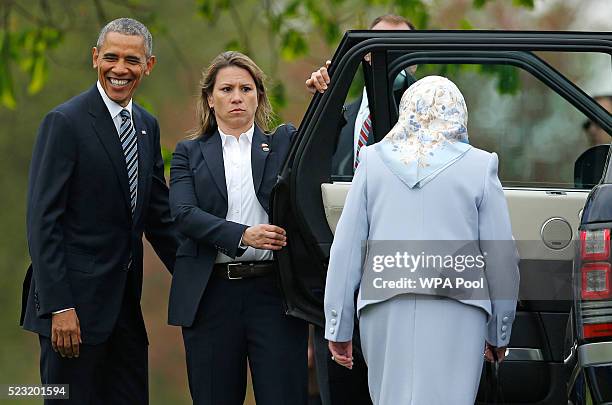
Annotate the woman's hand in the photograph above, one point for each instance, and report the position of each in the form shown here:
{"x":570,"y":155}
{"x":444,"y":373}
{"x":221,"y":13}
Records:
{"x":342,"y":353}
{"x":265,"y":236}
{"x":500,"y":351}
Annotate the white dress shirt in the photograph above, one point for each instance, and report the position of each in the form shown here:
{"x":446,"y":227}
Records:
{"x":242,"y":204}
{"x":114,"y":110}
{"x":364,"y":111}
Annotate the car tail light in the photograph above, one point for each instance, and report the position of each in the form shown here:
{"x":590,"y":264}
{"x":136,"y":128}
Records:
{"x":597,"y":330}
{"x":594,"y":285}
{"x":595,"y":281}
{"x":595,"y":244}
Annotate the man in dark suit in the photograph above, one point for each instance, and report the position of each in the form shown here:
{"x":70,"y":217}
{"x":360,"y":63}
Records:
{"x":96,"y":185}
{"x":337,"y":385}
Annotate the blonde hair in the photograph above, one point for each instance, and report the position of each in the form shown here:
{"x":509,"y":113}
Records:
{"x":206,"y":122}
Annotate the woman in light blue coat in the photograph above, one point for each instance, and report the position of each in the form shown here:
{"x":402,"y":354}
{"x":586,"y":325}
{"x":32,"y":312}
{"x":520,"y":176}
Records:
{"x":423,"y":343}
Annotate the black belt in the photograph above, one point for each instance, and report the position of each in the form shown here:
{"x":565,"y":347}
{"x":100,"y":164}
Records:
{"x":240,"y":270}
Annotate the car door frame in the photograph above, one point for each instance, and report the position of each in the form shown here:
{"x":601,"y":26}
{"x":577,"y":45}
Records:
{"x":294,"y":205}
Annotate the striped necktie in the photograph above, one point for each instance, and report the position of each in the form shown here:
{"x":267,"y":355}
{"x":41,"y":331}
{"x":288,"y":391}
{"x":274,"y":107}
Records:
{"x":364,"y":133}
{"x":127,"y":136}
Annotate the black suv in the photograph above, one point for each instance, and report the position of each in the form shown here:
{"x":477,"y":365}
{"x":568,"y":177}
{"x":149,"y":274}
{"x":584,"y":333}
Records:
{"x":527,"y":103}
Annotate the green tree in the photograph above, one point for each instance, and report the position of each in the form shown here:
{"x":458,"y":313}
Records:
{"x":29,"y":35}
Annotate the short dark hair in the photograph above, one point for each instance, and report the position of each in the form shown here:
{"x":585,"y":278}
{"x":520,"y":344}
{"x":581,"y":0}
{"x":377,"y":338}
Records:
{"x":127,"y":26}
{"x":392,"y":19}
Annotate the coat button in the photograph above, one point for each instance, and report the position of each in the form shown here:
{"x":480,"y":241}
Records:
{"x":504,"y":328}
{"x":334,"y":313}
{"x":505,"y":319}
{"x":503,"y":335}
{"x":332,"y":330}
{"x":333,"y":321}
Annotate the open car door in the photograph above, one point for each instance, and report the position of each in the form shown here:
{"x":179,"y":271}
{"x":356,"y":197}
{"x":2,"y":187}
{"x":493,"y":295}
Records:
{"x":522,"y":107}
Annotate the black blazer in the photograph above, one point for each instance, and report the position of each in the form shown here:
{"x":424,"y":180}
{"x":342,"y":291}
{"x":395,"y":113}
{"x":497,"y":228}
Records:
{"x":80,"y":229}
{"x":343,"y":157}
{"x":198,"y":201}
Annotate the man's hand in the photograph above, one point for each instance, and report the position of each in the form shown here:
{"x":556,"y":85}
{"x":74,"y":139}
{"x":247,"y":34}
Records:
{"x":342,"y":353}
{"x":265,"y":236}
{"x":319,"y":79}
{"x":500,"y":351}
{"x":66,"y":333}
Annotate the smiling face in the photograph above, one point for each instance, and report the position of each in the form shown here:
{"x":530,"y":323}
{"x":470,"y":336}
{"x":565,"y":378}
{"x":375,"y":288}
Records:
{"x":234,"y":100}
{"x":121,"y":63}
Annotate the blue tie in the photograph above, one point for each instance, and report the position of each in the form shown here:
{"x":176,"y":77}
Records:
{"x":127,"y":136}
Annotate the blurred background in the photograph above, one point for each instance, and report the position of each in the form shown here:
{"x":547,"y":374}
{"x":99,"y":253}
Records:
{"x":45,"y":58}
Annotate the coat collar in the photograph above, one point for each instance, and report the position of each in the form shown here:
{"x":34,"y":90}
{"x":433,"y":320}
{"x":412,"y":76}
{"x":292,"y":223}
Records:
{"x":107,"y":134}
{"x":260,"y":150}
{"x":212,"y":150}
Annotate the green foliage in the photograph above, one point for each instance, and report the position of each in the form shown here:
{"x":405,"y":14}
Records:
{"x":7,"y":94}
{"x":480,"y":3}
{"x":519,"y":3}
{"x":26,"y":40}
{"x":167,"y":157}
{"x":234,"y":45}
{"x":508,"y":81}
{"x":210,"y":9}
{"x":34,"y":45}
{"x":416,"y":9}
{"x":278,"y":96}
{"x":278,"y":99}
{"x":293,"y":45}
{"x":524,"y":3}
{"x":466,"y":25}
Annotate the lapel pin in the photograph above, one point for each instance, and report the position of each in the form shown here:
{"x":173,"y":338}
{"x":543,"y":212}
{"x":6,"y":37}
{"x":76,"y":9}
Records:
{"x":143,"y":132}
{"x":265,"y":147}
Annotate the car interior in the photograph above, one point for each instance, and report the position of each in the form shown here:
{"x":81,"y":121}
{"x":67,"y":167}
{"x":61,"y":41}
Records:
{"x":520,"y":107}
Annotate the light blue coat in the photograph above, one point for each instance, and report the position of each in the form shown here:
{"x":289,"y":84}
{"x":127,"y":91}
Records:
{"x":464,"y":202}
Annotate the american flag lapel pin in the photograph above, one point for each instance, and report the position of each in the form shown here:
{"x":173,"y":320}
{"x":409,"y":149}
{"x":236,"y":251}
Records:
{"x":265,"y":147}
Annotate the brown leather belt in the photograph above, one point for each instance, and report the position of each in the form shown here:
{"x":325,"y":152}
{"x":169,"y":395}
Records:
{"x":240,"y":270}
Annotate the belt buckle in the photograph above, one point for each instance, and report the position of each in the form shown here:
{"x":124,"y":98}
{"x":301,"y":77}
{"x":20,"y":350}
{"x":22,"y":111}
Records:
{"x":229,"y":277}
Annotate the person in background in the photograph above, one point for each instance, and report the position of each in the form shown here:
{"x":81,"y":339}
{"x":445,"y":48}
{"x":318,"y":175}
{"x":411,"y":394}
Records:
{"x":337,"y":385}
{"x":224,"y":290}
{"x":594,"y":133}
{"x":424,"y":182}
{"x":358,"y":121}
{"x":96,"y":185}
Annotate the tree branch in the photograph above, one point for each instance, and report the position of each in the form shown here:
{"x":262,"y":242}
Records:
{"x":100,"y":14}
{"x":271,"y":40}
{"x":240,"y":27}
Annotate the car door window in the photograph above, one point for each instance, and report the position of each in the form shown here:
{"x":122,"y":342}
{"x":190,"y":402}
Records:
{"x":539,"y":136}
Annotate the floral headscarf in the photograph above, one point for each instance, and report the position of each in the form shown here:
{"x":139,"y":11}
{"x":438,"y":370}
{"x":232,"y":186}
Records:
{"x":431,"y":133}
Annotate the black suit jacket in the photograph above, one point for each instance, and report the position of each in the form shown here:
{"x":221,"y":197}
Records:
{"x":198,"y":201}
{"x":81,"y":233}
{"x":343,"y":158}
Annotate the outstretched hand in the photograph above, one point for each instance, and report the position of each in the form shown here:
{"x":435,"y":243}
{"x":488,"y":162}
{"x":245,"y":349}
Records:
{"x":319,"y":79}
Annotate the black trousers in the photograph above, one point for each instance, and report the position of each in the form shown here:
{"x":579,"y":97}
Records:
{"x":337,"y":384}
{"x":239,"y":320}
{"x":114,"y":372}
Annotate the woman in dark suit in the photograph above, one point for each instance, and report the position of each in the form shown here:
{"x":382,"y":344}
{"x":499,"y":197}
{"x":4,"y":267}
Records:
{"x":224,"y":292}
